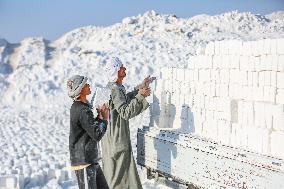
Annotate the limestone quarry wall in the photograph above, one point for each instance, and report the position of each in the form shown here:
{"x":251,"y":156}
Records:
{"x":231,"y":92}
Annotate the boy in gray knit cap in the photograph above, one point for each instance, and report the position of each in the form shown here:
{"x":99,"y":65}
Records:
{"x":85,"y":132}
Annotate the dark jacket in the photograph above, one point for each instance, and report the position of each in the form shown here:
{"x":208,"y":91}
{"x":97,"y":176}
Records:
{"x":85,"y":132}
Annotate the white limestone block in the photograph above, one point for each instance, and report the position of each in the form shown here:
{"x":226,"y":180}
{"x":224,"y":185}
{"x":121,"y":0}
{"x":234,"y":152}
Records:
{"x":224,"y":132}
{"x":248,"y":113}
{"x":277,"y":112}
{"x":212,"y":89}
{"x":217,"y":61}
{"x":234,"y":62}
{"x":277,"y":143}
{"x":210,"y":129}
{"x":243,"y":78}
{"x":234,"y":76}
{"x":269,"y":94}
{"x":176,"y":93}
{"x":185,"y":88}
{"x":168,"y":85}
{"x":273,"y":60}
{"x":261,"y":78}
{"x":266,"y":46}
{"x":240,"y":49}
{"x":273,"y":46}
{"x":247,"y":48}
{"x":217,"y":90}
{"x":200,"y":101}
{"x":180,"y":74}
{"x":255,"y":139}
{"x":280,"y":80}
{"x":174,"y":70}
{"x":256,"y":49}
{"x":215,"y":75}
{"x":192,"y":89}
{"x":258,"y":93}
{"x":198,"y":88}
{"x":207,"y":89}
{"x":247,"y":93}
{"x":239,"y":92}
{"x":223,"y":104}
{"x":187,"y":75}
{"x":224,"y":76}
{"x":189,"y":100}
{"x":264,"y":62}
{"x":245,"y":62}
{"x":196,"y":75}
{"x":273,"y":79}
{"x":191,"y":75}
{"x":225,"y":63}
{"x":280,"y":64}
{"x":266,"y":141}
{"x":255,"y":62}
{"x":234,"y":111}
{"x":233,"y":90}
{"x":158,"y":88}
{"x":280,"y":46}
{"x":216,"y":47}
{"x":223,"y":47}
{"x":223,"y":90}
{"x":204,"y":75}
{"x":231,"y":46}
{"x":210,"y":48}
{"x":237,"y":45}
{"x":196,"y":61}
{"x":250,"y":78}
{"x":11,"y":181}
{"x":259,"y":113}
{"x":210,"y":104}
{"x":241,"y":112}
{"x":255,"y":79}
{"x":268,"y":111}
{"x":166,"y":73}
{"x":8,"y":182}
{"x":242,"y":136}
{"x":267,"y":78}
{"x":208,"y":61}
{"x":234,"y":138}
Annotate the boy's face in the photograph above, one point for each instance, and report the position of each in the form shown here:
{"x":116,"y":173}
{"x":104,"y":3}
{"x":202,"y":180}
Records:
{"x":86,"y":90}
{"x":122,"y":72}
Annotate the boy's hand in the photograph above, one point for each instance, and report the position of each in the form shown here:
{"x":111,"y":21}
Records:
{"x":103,"y":112}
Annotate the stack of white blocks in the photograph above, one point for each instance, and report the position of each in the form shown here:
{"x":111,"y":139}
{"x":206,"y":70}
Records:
{"x":233,"y":94}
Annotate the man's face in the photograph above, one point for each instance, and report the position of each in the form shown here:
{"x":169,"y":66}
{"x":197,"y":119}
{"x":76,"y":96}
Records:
{"x":86,"y":90}
{"x":121,"y":72}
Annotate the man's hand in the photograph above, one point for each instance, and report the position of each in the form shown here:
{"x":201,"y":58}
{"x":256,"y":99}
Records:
{"x":147,"y":81}
{"x":103,"y":112}
{"x":144,"y":91}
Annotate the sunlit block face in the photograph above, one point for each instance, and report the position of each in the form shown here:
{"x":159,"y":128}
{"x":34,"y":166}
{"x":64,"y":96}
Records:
{"x":122,"y":71}
{"x":86,"y":90}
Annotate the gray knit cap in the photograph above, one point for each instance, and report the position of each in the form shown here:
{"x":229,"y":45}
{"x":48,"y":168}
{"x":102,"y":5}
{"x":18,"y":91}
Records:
{"x":75,"y":85}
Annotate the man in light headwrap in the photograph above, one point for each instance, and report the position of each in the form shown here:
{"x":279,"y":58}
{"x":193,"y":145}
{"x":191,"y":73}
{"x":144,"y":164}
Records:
{"x":85,"y":132}
{"x":118,"y":163}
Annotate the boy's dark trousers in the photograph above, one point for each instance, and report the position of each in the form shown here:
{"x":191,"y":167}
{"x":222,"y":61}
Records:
{"x":91,"y":177}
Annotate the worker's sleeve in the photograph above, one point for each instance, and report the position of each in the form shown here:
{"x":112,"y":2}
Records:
{"x":130,"y":109}
{"x":133,"y":93}
{"x":95,"y":128}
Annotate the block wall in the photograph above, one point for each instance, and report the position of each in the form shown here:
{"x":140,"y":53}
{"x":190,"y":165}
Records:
{"x":232,"y":93}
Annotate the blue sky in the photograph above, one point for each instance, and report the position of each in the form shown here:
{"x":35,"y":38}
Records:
{"x":53,"y":18}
